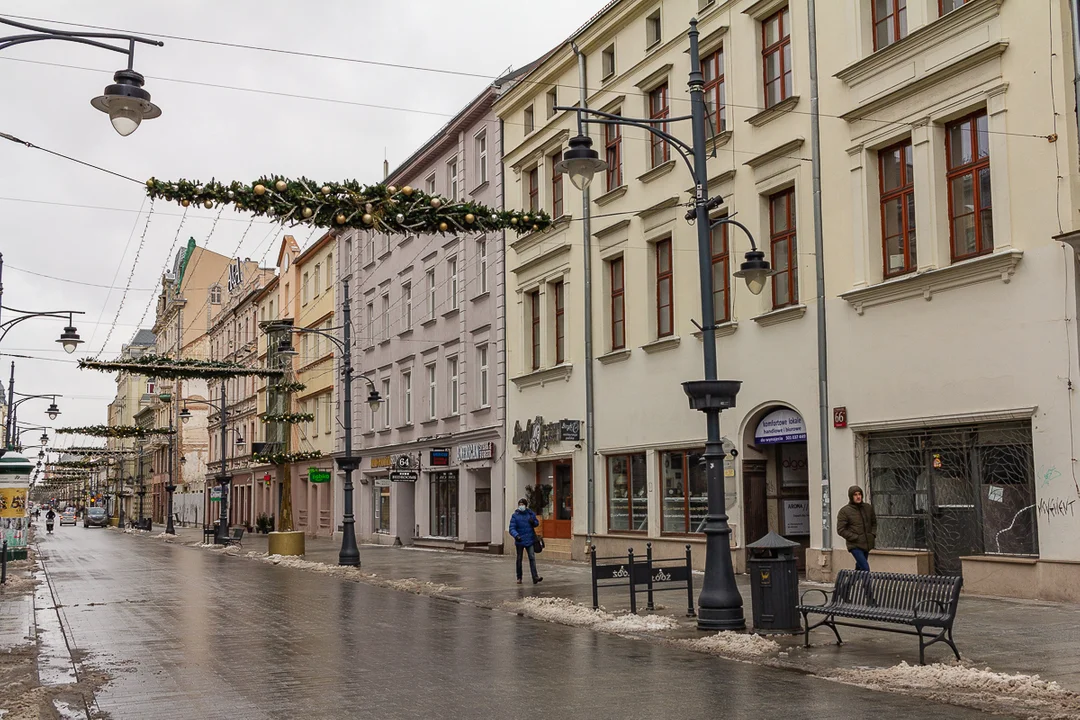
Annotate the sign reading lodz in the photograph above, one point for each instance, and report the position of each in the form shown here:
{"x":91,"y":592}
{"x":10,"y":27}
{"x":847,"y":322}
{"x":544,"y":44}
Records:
{"x":439,"y":457}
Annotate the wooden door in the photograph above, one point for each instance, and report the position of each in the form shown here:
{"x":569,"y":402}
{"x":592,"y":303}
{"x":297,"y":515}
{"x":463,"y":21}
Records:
{"x":557,"y":520}
{"x":755,"y":507}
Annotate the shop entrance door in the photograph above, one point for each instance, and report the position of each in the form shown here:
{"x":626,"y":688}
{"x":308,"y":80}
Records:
{"x":557,"y":481}
{"x":755,"y":509}
{"x":444,"y":504}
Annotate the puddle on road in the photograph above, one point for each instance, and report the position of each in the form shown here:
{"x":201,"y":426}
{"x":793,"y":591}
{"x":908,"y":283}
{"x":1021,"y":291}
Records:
{"x":54,"y":659}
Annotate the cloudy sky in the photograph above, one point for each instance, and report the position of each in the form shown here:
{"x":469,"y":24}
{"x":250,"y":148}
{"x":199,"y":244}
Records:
{"x":324,"y":118}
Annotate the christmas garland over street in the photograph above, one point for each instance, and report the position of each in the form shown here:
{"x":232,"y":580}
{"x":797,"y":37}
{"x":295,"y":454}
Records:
{"x":96,"y":451}
{"x":82,"y":464}
{"x":282,"y":458}
{"x":291,"y":418}
{"x":113,"y":431}
{"x":348,"y":204}
{"x":289,"y":387}
{"x":167,"y":368}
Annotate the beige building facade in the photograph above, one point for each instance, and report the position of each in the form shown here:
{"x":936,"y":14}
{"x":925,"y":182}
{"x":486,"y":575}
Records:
{"x":949,"y":170}
{"x":133,"y":394}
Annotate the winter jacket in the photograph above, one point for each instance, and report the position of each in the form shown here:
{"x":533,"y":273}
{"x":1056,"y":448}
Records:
{"x":522,"y":523}
{"x":857,"y":523}
{"x":50,"y":516}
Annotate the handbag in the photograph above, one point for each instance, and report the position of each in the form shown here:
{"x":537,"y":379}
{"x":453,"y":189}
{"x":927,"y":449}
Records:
{"x":538,"y":544}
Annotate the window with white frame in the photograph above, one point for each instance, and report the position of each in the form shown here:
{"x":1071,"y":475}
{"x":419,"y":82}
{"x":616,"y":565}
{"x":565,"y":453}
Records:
{"x":482,"y":265}
{"x":406,"y":396}
{"x":429,"y":184}
{"x":406,"y":306}
{"x":452,"y":273}
{"x":652,"y":29}
{"x":318,"y":279}
{"x":386,"y":403}
{"x":386,"y":315}
{"x":371,"y":248}
{"x":482,"y":363}
{"x":452,"y":179}
{"x":316,"y":412}
{"x":552,"y":100}
{"x":433,"y":389}
{"x":431,"y":294}
{"x":328,"y":414}
{"x":329,"y":270}
{"x":481,"y":157}
{"x":370,"y":323}
{"x":607,"y":62}
{"x":452,"y":378}
{"x":215,"y":295}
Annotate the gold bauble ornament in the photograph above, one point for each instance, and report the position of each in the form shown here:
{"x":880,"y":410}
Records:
{"x":208,"y":204}
{"x":150,"y":183}
{"x":325,"y":190}
{"x":368,"y":207}
{"x":281,"y":185}
{"x":260,"y":189}
{"x":470,"y":218}
{"x":435,"y":203}
{"x":307,"y":212}
{"x":525,"y":219}
{"x":513,"y":221}
{"x":185,"y":202}
{"x":443,"y":227}
{"x":407,"y":190}
{"x":536,"y":227}
{"x":391,"y":189}
{"x":340,"y":219}
{"x":367,"y":218}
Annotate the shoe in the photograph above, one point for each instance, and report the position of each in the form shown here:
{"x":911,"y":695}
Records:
{"x":519,"y":581}
{"x":537,"y":579}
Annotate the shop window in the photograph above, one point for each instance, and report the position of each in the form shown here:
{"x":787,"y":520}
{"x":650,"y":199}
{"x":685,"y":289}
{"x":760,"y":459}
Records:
{"x":628,"y":501}
{"x":444,"y":504}
{"x":685,"y":501}
{"x":483,"y":500}
{"x":382,"y":510}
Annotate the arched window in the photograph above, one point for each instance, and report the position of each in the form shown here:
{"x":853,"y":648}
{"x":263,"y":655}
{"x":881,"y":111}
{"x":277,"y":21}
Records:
{"x":215,"y":295}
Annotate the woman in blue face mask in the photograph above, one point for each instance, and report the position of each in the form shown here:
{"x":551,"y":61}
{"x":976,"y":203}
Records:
{"x":522,"y":523}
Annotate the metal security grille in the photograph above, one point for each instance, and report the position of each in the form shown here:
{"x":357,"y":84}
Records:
{"x":955,"y":491}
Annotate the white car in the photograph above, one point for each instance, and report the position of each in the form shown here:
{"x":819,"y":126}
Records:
{"x":67,"y":518}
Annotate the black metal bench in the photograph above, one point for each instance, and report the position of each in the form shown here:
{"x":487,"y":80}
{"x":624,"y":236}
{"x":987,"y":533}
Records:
{"x":921,"y":601}
{"x":237,"y":534}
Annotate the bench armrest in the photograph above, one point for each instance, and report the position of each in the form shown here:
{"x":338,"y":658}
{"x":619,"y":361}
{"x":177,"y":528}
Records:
{"x":824,"y":595}
{"x":941,"y":606}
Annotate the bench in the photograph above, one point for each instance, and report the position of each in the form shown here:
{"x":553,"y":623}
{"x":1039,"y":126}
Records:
{"x":208,"y":533}
{"x":921,"y":601}
{"x":237,"y":534}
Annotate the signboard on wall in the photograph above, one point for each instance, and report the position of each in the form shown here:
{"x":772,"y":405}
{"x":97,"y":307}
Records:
{"x":439,"y":458}
{"x":475,"y":451}
{"x":797,"y":517}
{"x":406,"y":461}
{"x":381,"y":462}
{"x":404,"y":476}
{"x":315,"y":475}
{"x":780,"y":426}
{"x":382,"y":481}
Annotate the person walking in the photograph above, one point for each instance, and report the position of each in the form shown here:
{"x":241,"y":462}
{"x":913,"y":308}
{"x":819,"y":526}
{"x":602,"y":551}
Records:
{"x":857,"y":523}
{"x":522,"y":523}
{"x":49,"y":518}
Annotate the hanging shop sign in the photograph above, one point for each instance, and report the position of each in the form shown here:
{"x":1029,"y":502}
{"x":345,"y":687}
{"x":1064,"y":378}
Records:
{"x":404,"y":476}
{"x":475,"y":451}
{"x":382,"y":462}
{"x":236,"y":275}
{"x":780,"y":426}
{"x":382,"y":481}
{"x":570,"y":430}
{"x":215,"y":494}
{"x":406,"y":461}
{"x":317,"y":475}
{"x":538,"y":435}
{"x":439,"y":457}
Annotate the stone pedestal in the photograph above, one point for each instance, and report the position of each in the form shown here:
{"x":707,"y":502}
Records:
{"x":286,"y":543}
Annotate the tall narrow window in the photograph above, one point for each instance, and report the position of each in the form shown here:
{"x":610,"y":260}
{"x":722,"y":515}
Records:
{"x":371,"y":237}
{"x":215,"y":295}
{"x":482,"y":362}
{"x":406,"y":306}
{"x":328,"y":415}
{"x":481,"y":158}
{"x":721,"y":303}
{"x":452,"y":377}
{"x":897,"y":209}
{"x":784,"y":255}
{"x":607,"y":62}
{"x":776,"y":57}
{"x":529,"y":120}
{"x":452,"y":179}
{"x":664,"y":306}
{"x":430,"y":184}
{"x":552,"y":101}
{"x":482,"y":265}
{"x":406,"y":397}
{"x":534,"y":189}
{"x":559,"y":289}
{"x":431,"y":293}
{"x":890,"y":22}
{"x":318,"y":279}
{"x":386,"y":316}
{"x":715,"y":101}
{"x":370,"y":324}
{"x":556,"y":188}
{"x":452,"y":272}
{"x":329,"y":270}
{"x":534,"y":327}
{"x":658,"y":110}
{"x":628,"y":496}
{"x":613,"y":155}
{"x":947,"y":6}
{"x":307,"y":288}
{"x":433,"y":390}
{"x":618,"y":318}
{"x":971,"y":224}
{"x":386,"y":403}
{"x":652,"y":29}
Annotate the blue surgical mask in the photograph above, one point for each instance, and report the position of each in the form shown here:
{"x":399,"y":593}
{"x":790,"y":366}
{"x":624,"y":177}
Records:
{"x":521,"y":507}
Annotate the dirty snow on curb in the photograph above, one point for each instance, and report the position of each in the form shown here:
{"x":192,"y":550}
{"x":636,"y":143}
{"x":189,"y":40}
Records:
{"x":733,"y":644}
{"x":410,"y":585}
{"x":567,"y":612}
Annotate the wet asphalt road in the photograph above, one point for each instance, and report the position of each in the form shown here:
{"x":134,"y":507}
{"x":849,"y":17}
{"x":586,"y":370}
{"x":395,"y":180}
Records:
{"x":188,"y":633}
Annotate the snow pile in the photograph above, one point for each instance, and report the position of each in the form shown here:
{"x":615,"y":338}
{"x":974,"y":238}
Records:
{"x":410,"y":585}
{"x":733,"y":644}
{"x":567,"y":612}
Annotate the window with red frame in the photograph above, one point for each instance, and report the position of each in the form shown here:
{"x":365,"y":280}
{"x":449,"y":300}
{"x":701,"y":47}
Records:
{"x":967,"y":151}
{"x":556,"y":189}
{"x":721,"y":304}
{"x":618,"y":308}
{"x":776,"y":57}
{"x":890,"y":22}
{"x":658,"y":110}
{"x":534,"y":311}
{"x":785,"y":290}
{"x":664,"y":306}
{"x":897,"y":209}
{"x":713,"y":69}
{"x":560,"y":322}
{"x":613,"y":148}
{"x":534,"y":189}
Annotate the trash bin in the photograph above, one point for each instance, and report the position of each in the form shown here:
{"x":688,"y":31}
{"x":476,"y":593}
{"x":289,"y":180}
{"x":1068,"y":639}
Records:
{"x":774,"y":585}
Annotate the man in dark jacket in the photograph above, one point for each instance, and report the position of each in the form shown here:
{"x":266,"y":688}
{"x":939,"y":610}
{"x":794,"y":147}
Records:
{"x":522,"y":523}
{"x":857,"y":523}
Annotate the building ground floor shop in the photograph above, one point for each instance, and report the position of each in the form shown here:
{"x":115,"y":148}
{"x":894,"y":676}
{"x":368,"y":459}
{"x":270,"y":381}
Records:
{"x":258,"y":492}
{"x":433,"y":495}
{"x":982,"y":495}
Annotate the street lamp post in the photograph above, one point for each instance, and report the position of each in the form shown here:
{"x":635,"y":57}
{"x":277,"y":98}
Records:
{"x":349,"y":555}
{"x":125,"y":102}
{"x":720,"y":603}
{"x":142,"y":487}
{"x":223,"y":477}
{"x":12,"y":419}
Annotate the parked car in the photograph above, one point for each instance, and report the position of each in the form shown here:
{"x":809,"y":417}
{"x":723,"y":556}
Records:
{"x":95,"y":517}
{"x":67,"y":518}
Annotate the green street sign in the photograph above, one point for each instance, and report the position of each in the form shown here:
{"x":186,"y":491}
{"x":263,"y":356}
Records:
{"x":316,"y":475}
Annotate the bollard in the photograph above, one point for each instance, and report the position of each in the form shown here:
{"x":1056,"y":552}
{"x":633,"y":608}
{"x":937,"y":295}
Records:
{"x":3,"y":563}
{"x":595,"y":591}
{"x":633,"y":590}
{"x":648,"y":566}
{"x":689,"y":584}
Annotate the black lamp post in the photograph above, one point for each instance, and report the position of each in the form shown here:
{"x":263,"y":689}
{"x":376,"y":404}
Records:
{"x":13,"y":417}
{"x":349,"y":554}
{"x":223,"y":478}
{"x":720,"y":604}
{"x":125,"y":102}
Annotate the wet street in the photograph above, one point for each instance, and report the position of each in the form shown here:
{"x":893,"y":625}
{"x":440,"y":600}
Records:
{"x":188,"y":633}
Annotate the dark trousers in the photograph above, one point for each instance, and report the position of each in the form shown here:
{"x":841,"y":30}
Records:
{"x":532,"y":560}
{"x":861,"y":560}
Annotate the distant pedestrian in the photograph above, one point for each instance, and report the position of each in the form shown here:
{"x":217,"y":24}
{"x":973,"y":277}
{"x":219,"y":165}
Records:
{"x":857,"y":523}
{"x":49,"y":518}
{"x":522,"y":523}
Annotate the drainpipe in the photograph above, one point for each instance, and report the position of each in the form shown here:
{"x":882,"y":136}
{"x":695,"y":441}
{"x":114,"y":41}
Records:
{"x":586,"y":225}
{"x":819,"y":261}
{"x":1074,"y":12}
{"x":501,"y":347}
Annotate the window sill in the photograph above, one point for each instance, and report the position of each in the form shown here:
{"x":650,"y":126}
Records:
{"x":657,"y":172}
{"x":718,"y":140}
{"x":481,"y":410}
{"x":478,"y":188}
{"x":610,"y":196}
{"x":369,"y":433}
{"x":429,"y":322}
{"x":383,"y":343}
{"x":369,"y":348}
{"x":451,"y":312}
{"x":432,"y":421}
{"x":614,"y":356}
{"x":995,"y":266}
{"x":543,"y":376}
{"x":784,"y":314}
{"x":451,"y":416}
{"x":404,"y":426}
{"x":384,"y":431}
{"x":669,"y":342}
{"x":481,"y":296}
{"x":721,"y":330}
{"x":369,"y":265}
{"x":385,"y":254}
{"x":781,"y":108}
{"x":405,"y":333}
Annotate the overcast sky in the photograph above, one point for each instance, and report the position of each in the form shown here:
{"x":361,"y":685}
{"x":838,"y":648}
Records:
{"x":60,"y":219}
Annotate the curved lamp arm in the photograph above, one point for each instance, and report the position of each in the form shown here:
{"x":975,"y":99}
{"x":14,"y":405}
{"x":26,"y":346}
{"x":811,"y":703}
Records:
{"x":83,"y":38}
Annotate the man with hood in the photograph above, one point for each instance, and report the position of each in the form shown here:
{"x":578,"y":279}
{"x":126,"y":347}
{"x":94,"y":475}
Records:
{"x":522,"y":523}
{"x":857,"y":523}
